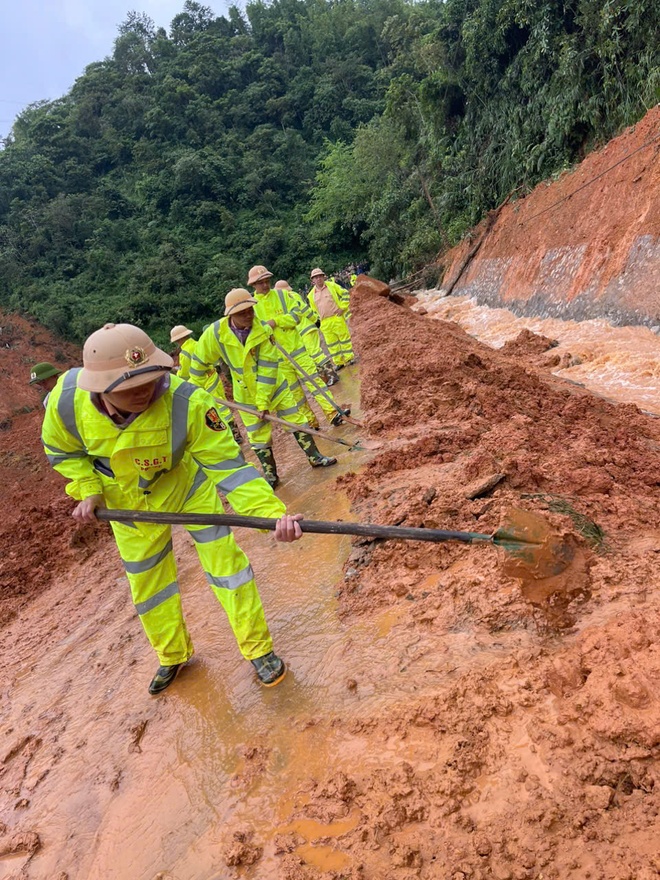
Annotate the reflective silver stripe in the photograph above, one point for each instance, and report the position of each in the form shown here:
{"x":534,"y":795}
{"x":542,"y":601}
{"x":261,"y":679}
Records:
{"x":180,"y":405}
{"x":297,"y":352}
{"x":66,"y":406}
{"x":200,"y":479}
{"x":199,"y":373}
{"x":54,"y":449}
{"x":234,"y":581}
{"x":158,"y":598}
{"x":228,"y":465}
{"x":150,"y":562}
{"x":307,"y":329}
{"x":287,"y":412}
{"x":267,"y":380}
{"x":240,"y":478}
{"x":268,"y":364}
{"x":66,"y":456}
{"x":259,"y":445}
{"x":209,"y":534}
{"x":283,"y":386}
{"x":199,"y":361}
{"x":144,"y":483}
{"x":282,"y":298}
{"x":256,"y":426}
{"x":212,"y":387}
{"x":234,"y":369}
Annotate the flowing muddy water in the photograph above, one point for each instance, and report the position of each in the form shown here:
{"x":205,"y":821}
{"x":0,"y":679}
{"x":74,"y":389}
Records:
{"x":622,"y":363}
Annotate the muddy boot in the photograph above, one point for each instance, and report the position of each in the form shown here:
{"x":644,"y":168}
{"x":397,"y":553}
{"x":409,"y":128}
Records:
{"x":164,"y":677}
{"x":270,"y":669}
{"x":267,"y":460}
{"x":308,"y":446}
{"x":330,"y":375}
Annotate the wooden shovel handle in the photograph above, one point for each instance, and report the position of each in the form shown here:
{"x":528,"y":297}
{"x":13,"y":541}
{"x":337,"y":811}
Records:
{"x":318,"y":527}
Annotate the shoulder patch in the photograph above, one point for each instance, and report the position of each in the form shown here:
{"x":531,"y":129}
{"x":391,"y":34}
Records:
{"x":214,"y":421}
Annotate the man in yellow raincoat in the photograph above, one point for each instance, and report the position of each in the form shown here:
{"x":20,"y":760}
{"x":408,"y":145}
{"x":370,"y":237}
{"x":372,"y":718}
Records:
{"x":309,"y":333}
{"x":244,"y":345}
{"x":330,"y":303}
{"x":127,"y":434}
{"x":182,"y":337}
{"x":278,"y":310}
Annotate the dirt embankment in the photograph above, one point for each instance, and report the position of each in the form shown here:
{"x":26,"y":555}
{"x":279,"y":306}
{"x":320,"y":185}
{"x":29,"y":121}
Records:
{"x":595,"y":254}
{"x":36,"y":538}
{"x":518,"y":758}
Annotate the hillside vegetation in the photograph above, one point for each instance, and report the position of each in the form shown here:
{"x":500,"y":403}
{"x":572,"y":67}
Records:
{"x":299,"y":132}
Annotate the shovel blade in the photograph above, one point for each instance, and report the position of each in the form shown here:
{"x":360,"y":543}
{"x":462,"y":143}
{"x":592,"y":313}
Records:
{"x":533,"y":548}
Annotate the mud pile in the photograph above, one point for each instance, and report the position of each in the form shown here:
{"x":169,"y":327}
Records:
{"x":575,"y":248}
{"x":37,"y":539}
{"x":529,"y":743}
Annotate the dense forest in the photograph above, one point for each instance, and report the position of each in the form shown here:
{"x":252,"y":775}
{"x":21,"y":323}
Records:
{"x":299,"y":132}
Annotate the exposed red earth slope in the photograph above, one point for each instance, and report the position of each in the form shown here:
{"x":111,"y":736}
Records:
{"x":595,"y":254}
{"x":36,"y":537}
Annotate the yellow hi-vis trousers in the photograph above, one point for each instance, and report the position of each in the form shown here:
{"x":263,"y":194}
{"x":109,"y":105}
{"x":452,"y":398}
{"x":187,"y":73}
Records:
{"x":296,"y":382}
{"x":312,"y":340}
{"x":146,"y":551}
{"x":338,"y":339}
{"x":260,"y":433}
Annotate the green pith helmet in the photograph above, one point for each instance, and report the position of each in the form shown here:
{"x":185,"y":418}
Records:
{"x":42,"y":371}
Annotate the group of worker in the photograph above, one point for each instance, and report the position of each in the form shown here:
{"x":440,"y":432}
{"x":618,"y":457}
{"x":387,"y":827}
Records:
{"x":130,"y":433}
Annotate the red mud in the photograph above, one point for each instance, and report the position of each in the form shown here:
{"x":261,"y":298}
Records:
{"x":596,"y":253}
{"x":36,"y":536}
{"x":484,"y":726}
{"x":544,"y":763}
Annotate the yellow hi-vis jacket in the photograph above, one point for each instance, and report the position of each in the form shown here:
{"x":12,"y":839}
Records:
{"x":284,"y":308}
{"x":255,"y":367}
{"x":185,"y":360}
{"x":339,"y":295}
{"x":157,"y":461}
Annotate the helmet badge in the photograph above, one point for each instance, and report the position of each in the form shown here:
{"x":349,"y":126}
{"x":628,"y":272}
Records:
{"x":136,"y":356}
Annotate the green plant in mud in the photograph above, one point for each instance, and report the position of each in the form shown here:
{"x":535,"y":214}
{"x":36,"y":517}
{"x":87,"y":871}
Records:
{"x":586,"y":527}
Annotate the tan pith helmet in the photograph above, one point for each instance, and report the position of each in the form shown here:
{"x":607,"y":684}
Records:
{"x":316,"y":272}
{"x":179,"y":332}
{"x":258,"y":273}
{"x":120,"y":356}
{"x":238,"y":300}
{"x":282,"y":285}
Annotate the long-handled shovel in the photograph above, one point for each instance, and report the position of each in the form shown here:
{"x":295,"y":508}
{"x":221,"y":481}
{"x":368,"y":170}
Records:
{"x":240,"y":407}
{"x":533,"y":549}
{"x":346,"y":417}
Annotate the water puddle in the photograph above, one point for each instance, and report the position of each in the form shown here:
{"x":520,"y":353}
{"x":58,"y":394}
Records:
{"x":622,"y":363}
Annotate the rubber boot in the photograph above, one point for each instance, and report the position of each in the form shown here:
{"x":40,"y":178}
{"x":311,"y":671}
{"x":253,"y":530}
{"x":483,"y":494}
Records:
{"x":308,"y":446}
{"x":269,"y":466}
{"x":330,"y":374}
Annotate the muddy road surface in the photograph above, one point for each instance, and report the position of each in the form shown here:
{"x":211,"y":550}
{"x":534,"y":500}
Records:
{"x":445,"y":716}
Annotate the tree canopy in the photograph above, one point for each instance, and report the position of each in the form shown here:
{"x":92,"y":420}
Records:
{"x":300,"y":132}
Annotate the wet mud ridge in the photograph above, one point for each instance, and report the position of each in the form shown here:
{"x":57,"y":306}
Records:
{"x":446,"y":716}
